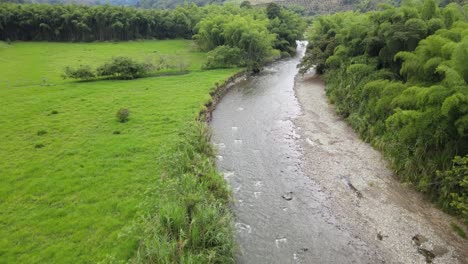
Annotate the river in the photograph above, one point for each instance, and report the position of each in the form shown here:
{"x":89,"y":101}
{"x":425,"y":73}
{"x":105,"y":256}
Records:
{"x":307,"y":190}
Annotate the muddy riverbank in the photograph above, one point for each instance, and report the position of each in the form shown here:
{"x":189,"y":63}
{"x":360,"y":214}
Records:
{"x":364,"y":193}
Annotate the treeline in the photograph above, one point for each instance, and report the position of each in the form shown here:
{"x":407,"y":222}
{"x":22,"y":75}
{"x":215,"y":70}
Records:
{"x":249,"y":36}
{"x":159,"y":4}
{"x":234,"y":35}
{"x":164,"y":4}
{"x":400,"y":77}
{"x":84,"y":23}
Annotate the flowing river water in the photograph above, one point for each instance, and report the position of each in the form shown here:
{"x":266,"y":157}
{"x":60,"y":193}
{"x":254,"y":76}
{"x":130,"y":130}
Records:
{"x":307,"y":190}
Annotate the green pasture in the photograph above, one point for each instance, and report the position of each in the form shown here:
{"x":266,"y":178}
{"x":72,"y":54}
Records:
{"x":72,"y":177}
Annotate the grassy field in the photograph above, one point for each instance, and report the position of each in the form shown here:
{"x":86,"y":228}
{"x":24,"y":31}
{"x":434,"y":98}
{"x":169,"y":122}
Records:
{"x":73,"y":178}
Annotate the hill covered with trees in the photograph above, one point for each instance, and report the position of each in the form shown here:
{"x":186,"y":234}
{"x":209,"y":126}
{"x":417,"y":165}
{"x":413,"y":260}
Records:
{"x":305,"y":7}
{"x":159,"y":4}
{"x":400,"y":78}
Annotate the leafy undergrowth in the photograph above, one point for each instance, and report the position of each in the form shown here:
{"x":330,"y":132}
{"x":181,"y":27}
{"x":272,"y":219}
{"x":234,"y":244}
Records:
{"x":75,"y":180}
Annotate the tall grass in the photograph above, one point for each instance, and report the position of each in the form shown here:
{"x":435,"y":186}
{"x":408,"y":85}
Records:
{"x":193,"y":224}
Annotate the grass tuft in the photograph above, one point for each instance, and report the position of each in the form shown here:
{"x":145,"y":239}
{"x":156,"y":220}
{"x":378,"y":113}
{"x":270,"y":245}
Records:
{"x":39,"y":145}
{"x":122,"y":115}
{"x":458,"y":230}
{"x":41,"y":132}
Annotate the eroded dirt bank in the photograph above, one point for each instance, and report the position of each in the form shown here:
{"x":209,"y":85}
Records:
{"x":362,"y":191}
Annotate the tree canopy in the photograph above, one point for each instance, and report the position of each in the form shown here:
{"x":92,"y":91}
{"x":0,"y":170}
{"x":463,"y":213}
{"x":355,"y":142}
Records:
{"x":85,"y":23}
{"x":255,"y":33}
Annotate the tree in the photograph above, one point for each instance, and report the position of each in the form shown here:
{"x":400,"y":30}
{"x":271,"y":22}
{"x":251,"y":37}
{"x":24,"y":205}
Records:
{"x":246,"y":4}
{"x":273,"y":10}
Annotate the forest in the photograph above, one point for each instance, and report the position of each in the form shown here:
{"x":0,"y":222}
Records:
{"x":160,"y":4}
{"x":97,"y":23}
{"x":400,"y":78}
{"x":255,"y":33}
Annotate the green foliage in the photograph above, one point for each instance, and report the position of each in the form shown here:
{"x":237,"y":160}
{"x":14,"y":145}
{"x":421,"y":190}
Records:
{"x":83,"y":72}
{"x":195,"y":228}
{"x":458,"y":230}
{"x":123,"y":68}
{"x":246,"y":4}
{"x":251,"y":31}
{"x":122,"y":115}
{"x":454,"y":187}
{"x":224,"y":57}
{"x":256,"y":32}
{"x":164,"y":4}
{"x":242,"y":31}
{"x":289,"y":28}
{"x":400,"y":77}
{"x":85,"y":23}
{"x":41,"y":132}
{"x":273,"y":10}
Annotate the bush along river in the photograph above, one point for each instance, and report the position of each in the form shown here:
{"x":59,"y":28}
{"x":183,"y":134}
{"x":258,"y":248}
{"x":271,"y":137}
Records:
{"x":308,"y":190}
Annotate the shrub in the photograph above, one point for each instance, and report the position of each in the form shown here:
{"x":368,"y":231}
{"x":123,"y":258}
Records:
{"x":122,"y":115}
{"x":458,"y":230}
{"x":454,"y":187}
{"x":123,"y":68}
{"x":224,"y":57}
{"x":83,"y":72}
{"x":41,"y":132}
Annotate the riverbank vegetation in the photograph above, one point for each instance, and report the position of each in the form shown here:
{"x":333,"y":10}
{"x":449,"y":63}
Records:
{"x":399,"y":76}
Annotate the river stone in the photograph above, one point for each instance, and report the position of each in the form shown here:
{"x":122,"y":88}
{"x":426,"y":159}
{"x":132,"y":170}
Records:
{"x":418,"y":239}
{"x":287,"y":196}
{"x":427,"y":254}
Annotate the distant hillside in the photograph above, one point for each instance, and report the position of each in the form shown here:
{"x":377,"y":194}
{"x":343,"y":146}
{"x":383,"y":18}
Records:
{"x":312,"y":7}
{"x":306,"y":7}
{"x":159,"y":4}
{"x":162,"y":4}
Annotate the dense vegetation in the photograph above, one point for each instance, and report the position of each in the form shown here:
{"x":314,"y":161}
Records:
{"x":400,"y":77}
{"x":248,"y":34}
{"x":82,"y":185}
{"x":315,"y":7}
{"x":85,"y":23}
{"x":254,"y":33}
{"x":159,"y":4}
{"x":163,"y":4}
